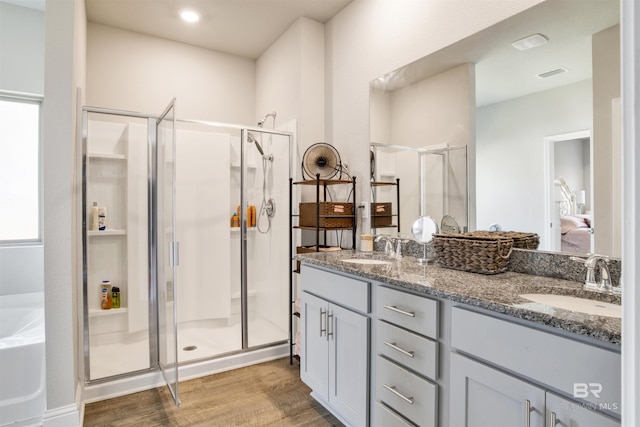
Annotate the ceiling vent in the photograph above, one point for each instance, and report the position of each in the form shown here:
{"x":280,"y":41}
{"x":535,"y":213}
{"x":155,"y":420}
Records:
{"x":550,"y":73}
{"x":529,"y":42}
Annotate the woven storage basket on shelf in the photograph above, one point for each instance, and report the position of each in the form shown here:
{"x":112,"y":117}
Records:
{"x":381,"y":214}
{"x":332,"y":215}
{"x":473,"y":252}
{"x":520,"y":240}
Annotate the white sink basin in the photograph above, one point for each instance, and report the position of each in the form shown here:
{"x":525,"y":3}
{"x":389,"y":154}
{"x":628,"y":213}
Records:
{"x":366,"y":261}
{"x":581,"y":305}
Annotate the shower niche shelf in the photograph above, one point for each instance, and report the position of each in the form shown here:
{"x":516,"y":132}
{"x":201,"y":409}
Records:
{"x":320,"y":235}
{"x":106,"y":156}
{"x":108,"y":232}
{"x":105,"y":313}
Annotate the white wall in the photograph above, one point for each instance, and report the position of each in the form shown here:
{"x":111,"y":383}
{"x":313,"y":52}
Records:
{"x":510,"y":154}
{"x":370,"y":38}
{"x":21,"y":49}
{"x":606,"y":87}
{"x":290,"y":80}
{"x":21,"y":70}
{"x":131,"y":71}
{"x":64,"y":61}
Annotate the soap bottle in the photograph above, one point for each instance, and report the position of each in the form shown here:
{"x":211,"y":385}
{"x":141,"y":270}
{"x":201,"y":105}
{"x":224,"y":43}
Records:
{"x":102,"y":218}
{"x":94,"y":216}
{"x":251,"y":216}
{"x":235,"y":221}
{"x":105,"y":295}
{"x":115,"y":297}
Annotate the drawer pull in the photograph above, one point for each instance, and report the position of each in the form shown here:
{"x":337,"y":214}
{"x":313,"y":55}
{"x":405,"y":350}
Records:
{"x":401,"y":350}
{"x":393,"y":390}
{"x":528,"y":409}
{"x":397,"y":310}
{"x":552,"y":419}
{"x":330,"y":325}
{"x":323,"y":327}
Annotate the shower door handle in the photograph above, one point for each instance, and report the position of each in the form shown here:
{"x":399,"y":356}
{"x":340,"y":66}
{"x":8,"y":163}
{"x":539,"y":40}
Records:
{"x":323,"y":327}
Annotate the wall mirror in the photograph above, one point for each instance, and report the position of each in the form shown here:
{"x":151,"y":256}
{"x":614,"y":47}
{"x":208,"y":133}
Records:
{"x":526,"y":117}
{"x":415,"y":182}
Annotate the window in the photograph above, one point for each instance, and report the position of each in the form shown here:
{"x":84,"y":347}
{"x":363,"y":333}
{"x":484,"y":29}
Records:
{"x":20,"y":213}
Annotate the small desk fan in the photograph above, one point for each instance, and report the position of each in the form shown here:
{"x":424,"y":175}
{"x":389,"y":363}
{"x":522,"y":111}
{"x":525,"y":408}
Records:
{"x":321,"y":159}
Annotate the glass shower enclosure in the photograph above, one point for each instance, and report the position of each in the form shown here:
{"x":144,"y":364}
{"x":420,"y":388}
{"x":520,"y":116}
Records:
{"x":195,"y":241}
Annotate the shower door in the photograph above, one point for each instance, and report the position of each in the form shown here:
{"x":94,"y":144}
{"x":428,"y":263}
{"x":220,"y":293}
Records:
{"x":167,"y":249}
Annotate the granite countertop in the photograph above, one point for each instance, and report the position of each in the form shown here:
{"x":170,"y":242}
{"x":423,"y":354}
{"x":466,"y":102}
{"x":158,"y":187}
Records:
{"x":499,"y":292}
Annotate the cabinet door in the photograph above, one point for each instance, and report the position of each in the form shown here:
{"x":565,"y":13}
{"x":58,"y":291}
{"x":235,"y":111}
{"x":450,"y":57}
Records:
{"x":314,"y":358}
{"x":482,"y":396}
{"x":569,"y":413}
{"x":349,"y":364}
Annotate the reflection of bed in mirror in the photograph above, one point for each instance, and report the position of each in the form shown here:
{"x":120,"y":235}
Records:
{"x":575,"y":232}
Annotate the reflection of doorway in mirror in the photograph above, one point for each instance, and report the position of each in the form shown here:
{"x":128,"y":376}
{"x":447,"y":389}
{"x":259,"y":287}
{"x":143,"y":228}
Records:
{"x":569,"y":201}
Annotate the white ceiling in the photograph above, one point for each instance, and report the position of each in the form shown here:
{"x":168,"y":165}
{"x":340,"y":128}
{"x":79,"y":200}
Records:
{"x":239,"y":27}
{"x":248,"y":27}
{"x":502,"y":72}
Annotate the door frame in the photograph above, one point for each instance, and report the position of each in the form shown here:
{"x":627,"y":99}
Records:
{"x":549,"y":177}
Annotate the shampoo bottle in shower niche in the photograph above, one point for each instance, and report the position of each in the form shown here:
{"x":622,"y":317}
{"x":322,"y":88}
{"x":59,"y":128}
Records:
{"x":102,"y":218}
{"x":251,"y":216}
{"x":115,"y":297}
{"x":105,"y":295}
{"x":94,"y":216}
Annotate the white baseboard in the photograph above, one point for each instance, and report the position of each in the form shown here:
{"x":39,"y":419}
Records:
{"x":64,"y":416}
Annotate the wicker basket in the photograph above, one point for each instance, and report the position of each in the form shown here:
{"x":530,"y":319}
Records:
{"x":520,"y":240}
{"x":332,"y":215}
{"x":381,"y":214}
{"x":473,"y":252}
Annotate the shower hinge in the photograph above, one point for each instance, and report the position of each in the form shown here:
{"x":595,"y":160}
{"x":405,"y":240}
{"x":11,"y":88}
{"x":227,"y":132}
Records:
{"x":174,"y":254}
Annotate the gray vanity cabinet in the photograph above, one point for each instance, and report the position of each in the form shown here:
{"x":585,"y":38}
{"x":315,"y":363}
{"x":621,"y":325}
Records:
{"x":335,"y":343}
{"x":501,"y":374}
{"x":482,"y":396}
{"x":406,"y":359}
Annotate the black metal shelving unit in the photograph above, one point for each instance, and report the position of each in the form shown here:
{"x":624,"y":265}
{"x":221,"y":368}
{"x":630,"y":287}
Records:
{"x":318,"y":183}
{"x":397,"y":214}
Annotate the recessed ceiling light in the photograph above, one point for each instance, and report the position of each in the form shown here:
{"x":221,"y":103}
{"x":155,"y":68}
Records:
{"x":189,"y":16}
{"x":534,"y":40}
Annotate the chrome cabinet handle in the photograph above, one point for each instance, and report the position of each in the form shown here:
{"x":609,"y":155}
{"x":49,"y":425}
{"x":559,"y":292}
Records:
{"x":330,"y":328}
{"x":322,"y":329}
{"x":552,"y":419}
{"x":397,"y":310}
{"x":527,"y":412}
{"x":393,"y":390}
{"x":401,"y":350}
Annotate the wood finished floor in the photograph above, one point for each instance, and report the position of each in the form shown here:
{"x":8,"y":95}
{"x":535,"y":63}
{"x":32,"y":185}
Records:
{"x":268,"y":394}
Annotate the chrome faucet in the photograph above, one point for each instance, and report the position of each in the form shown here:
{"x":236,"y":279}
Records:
{"x":388,"y":246}
{"x":592,"y":262}
{"x":399,"y":243}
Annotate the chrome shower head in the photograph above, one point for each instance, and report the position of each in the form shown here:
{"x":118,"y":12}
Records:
{"x":264,"y":119}
{"x":251,"y":138}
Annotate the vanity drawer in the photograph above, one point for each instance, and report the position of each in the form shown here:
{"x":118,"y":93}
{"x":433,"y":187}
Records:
{"x":386,"y":417}
{"x":343,"y":290}
{"x":406,"y":393}
{"x":411,"y":350}
{"x":412,"y":312}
